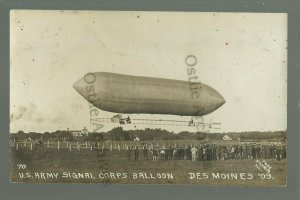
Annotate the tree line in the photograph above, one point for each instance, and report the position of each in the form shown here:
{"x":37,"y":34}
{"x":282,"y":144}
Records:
{"x":119,"y":134}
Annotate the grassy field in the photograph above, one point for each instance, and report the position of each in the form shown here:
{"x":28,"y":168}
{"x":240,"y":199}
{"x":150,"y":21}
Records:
{"x":48,"y":165}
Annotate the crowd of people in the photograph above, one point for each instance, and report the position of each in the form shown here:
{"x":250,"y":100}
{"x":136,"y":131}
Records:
{"x":207,"y":152}
{"x":194,"y":152}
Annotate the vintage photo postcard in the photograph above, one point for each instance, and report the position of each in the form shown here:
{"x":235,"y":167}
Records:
{"x":135,"y":97}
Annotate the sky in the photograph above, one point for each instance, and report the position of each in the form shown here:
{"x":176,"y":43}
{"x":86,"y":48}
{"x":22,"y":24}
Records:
{"x":241,"y":55}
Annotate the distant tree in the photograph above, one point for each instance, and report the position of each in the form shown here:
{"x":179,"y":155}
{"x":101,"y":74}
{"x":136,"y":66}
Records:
{"x":34,"y":135}
{"x":95,"y":136}
{"x":184,"y":135}
{"x":200,"y":136}
{"x":20,"y":135}
{"x":116,"y":134}
{"x":20,"y":132}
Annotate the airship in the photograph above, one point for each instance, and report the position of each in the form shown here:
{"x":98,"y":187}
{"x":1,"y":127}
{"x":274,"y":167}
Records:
{"x":119,"y":93}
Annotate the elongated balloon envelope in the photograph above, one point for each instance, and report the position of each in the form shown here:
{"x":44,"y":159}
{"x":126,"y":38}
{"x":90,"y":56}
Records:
{"x":136,"y":94}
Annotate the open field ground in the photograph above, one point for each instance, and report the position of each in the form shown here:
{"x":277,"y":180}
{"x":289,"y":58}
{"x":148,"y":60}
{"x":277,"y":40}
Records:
{"x":50,"y":165}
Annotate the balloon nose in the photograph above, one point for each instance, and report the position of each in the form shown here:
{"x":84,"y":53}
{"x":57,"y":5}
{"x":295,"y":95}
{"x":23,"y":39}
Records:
{"x":75,"y":85}
{"x":79,"y":87}
{"x":220,"y":100}
{"x":216,"y":99}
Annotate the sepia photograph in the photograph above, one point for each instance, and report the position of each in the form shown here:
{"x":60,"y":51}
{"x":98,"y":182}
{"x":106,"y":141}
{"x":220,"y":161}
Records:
{"x":148,"y":97}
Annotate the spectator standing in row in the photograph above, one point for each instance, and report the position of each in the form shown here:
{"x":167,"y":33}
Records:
{"x":155,"y":154}
{"x":194,"y":151}
{"x":136,"y":153}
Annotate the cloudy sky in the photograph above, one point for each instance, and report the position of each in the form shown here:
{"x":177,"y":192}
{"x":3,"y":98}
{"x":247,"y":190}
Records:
{"x":242,"y":55}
